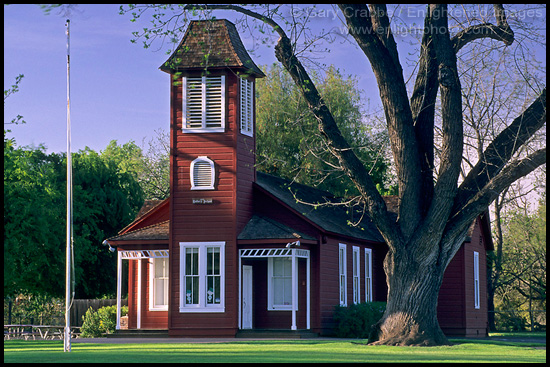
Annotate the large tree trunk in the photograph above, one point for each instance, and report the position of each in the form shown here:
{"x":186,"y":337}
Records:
{"x":410,"y":317}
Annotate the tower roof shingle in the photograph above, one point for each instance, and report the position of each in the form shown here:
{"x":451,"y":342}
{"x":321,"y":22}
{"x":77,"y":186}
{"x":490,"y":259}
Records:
{"x":211,"y":44}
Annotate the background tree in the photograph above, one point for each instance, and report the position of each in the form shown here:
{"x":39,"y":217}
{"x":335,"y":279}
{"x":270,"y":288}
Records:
{"x":8,"y":92}
{"x":155,"y":175}
{"x":435,"y":208}
{"x":105,"y":200}
{"x":520,"y":298}
{"x":33,"y":222}
{"x":150,"y":166}
{"x":289,"y":144}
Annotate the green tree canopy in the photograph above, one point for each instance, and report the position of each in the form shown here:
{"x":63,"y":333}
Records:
{"x":104,"y":200}
{"x":522,"y":285}
{"x":289,"y":144}
{"x":151,"y":168}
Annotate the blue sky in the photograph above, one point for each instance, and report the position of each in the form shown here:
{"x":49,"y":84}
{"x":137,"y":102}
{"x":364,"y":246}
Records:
{"x":117,"y":90}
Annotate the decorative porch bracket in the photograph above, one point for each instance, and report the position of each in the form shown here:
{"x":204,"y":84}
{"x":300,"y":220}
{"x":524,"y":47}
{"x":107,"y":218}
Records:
{"x":274,"y":252}
{"x":293,"y":253}
{"x":143,"y":254}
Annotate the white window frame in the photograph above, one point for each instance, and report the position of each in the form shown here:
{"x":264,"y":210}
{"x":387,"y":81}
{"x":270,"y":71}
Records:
{"x":202,"y":306}
{"x":271,"y":306}
{"x":194,"y":185}
{"x":342,"y":275}
{"x":356,"y":275}
{"x":368,"y":275}
{"x":476,"y":281}
{"x":246,"y":88}
{"x":152,"y":284}
{"x":204,"y":106}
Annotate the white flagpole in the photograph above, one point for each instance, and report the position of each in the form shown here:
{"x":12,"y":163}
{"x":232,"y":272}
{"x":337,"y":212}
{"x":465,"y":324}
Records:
{"x":67,"y":332}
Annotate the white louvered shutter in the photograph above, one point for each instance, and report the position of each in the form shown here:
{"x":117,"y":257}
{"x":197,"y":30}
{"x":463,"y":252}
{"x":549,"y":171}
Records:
{"x":193,"y":100}
{"x":247,"y":99}
{"x":203,"y":104}
{"x":214,"y":102}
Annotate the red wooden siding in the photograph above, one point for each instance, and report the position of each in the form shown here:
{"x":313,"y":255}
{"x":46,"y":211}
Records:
{"x":149,"y":319}
{"x":456,"y":311}
{"x":476,"y":319}
{"x":450,"y":304}
{"x":330,"y":290}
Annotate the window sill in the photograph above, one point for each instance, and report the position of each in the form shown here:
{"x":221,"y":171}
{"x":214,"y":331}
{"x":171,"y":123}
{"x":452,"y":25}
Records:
{"x":202,"y":309}
{"x":203,"y":130}
{"x":165,"y":308}
{"x":286,"y":308}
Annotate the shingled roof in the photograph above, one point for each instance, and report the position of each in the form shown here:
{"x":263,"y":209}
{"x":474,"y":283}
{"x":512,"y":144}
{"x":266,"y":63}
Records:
{"x":211,"y":44}
{"x":158,"y":231}
{"x":331,"y":218}
{"x":261,"y":228}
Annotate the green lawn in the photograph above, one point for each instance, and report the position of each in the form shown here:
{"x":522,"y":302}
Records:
{"x":18,"y":351}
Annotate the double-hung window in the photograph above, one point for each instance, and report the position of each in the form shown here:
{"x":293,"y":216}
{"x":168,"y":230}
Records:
{"x":342,"y":274}
{"x":368,"y":275}
{"x":203,"y":104}
{"x":356,"y":276}
{"x":476,"y":280}
{"x":202,"y":276}
{"x":247,"y":106}
{"x":158,"y":296}
{"x":279,"y":274}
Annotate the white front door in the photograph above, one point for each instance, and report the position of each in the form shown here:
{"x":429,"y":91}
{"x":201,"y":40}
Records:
{"x":247,"y":297}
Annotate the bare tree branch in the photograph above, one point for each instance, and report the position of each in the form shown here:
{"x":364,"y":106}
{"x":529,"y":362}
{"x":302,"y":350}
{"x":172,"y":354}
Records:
{"x":501,"y":149}
{"x":483,"y":197}
{"x":500,"y":32}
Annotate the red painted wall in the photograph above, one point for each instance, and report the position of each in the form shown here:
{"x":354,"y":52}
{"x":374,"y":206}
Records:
{"x":149,"y":319}
{"x":329,"y":292}
{"x":456,"y":312}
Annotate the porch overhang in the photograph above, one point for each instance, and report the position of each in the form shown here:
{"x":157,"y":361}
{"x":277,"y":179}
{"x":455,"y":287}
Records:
{"x":294,"y":253}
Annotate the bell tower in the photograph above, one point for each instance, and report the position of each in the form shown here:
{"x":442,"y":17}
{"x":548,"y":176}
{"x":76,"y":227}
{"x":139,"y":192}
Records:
{"x":212,"y":169}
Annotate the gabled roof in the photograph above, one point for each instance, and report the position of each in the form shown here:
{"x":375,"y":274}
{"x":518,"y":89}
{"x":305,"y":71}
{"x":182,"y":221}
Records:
{"x":211,"y":44}
{"x":335,"y":219}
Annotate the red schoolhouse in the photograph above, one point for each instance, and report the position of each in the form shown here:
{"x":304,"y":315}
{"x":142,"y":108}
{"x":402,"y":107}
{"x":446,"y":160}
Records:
{"x":232,"y":249}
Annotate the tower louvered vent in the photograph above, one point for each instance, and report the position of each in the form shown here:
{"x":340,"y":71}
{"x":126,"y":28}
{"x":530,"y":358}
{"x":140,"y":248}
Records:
{"x":202,"y":174}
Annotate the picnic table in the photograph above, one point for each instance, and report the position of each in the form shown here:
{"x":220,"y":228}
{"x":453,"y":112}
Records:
{"x":20,"y":331}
